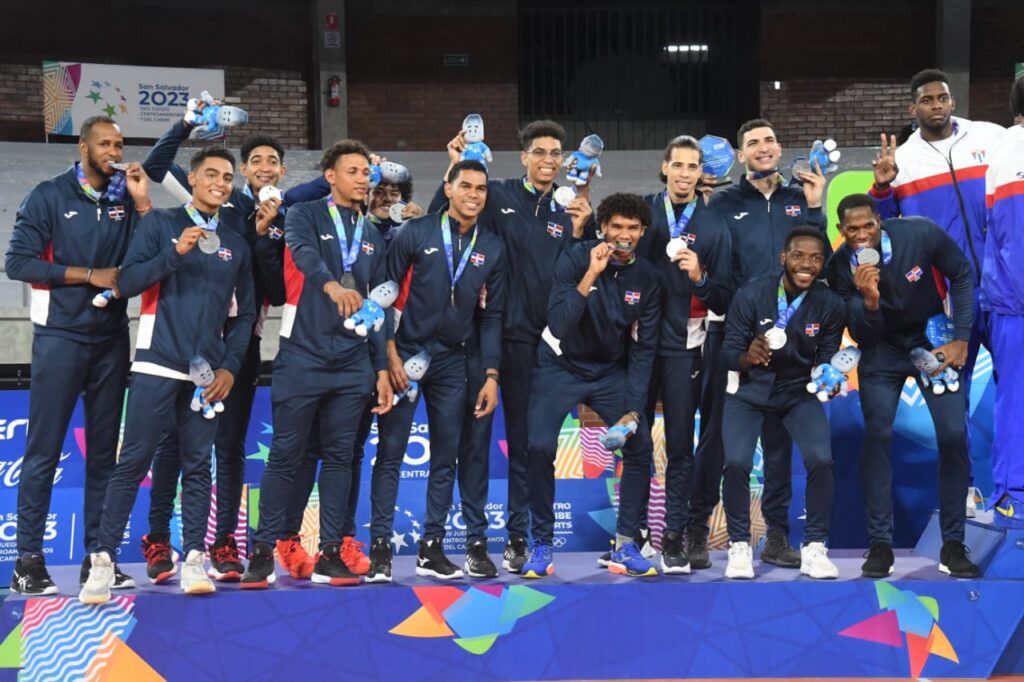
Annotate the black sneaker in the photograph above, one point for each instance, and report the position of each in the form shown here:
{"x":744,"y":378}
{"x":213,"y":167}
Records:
{"x":673,"y":556}
{"x":161,"y":560}
{"x":380,"y":562}
{"x":643,"y":542}
{"x":122,"y":581}
{"x":331,"y":569}
{"x":225,"y":563}
{"x":432,"y":562}
{"x":778,"y":551}
{"x":953,"y":560}
{"x":478,"y":564}
{"x":879,"y":562}
{"x":31,"y":577}
{"x":697,"y":547}
{"x":260,"y":574}
{"x":515,"y":555}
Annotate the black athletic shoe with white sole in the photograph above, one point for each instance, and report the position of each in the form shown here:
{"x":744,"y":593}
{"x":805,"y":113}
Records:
{"x":31,"y":578}
{"x":478,"y":564}
{"x":432,"y":562}
{"x":380,"y":562}
{"x":517,"y":551}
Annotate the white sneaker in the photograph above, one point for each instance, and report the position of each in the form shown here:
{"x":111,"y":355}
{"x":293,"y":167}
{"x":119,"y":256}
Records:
{"x":194,"y":579}
{"x":96,"y":589}
{"x":972,"y":506}
{"x":814,"y":562}
{"x":741,"y":561}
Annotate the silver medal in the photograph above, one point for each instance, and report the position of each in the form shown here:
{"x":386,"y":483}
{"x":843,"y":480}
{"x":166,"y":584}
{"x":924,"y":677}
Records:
{"x":867,"y":256}
{"x":564,"y":196}
{"x":209,"y":242}
{"x":776,"y":338}
{"x":395,"y":212}
{"x":348,"y":281}
{"x":674,"y":246}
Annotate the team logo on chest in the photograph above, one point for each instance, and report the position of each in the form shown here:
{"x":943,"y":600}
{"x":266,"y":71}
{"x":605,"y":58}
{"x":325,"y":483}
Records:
{"x":116,"y":212}
{"x":632,"y":297}
{"x":224,"y":254}
{"x":812,"y":329}
{"x":689,"y":237}
{"x":477,"y":258}
{"x":914,"y":274}
{"x":368,"y":248}
{"x":979,"y":155}
{"x":793,"y":210}
{"x":555,"y":230}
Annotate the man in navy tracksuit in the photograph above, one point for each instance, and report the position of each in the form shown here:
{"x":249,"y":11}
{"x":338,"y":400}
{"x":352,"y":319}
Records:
{"x":535,"y":231}
{"x":696,"y":279}
{"x":598,"y":349}
{"x":70,"y":236}
{"x":456,"y":267}
{"x":331,"y":262}
{"x":186,"y":295}
{"x":261,"y":225}
{"x":779,"y":329}
{"x":760,"y":211}
{"x":888,"y":306}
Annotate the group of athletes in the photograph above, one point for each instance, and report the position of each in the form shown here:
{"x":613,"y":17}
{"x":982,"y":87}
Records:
{"x":719,"y":301}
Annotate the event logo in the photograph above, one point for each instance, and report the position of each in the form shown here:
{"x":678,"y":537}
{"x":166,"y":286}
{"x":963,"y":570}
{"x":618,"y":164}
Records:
{"x":475,"y":617}
{"x":10,"y":471}
{"x":905,"y":613}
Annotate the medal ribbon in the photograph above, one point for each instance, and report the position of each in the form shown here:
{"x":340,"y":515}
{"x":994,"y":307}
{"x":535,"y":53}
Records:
{"x":676,"y":226}
{"x":886,"y":253}
{"x":446,"y":235}
{"x":115,"y":188}
{"x":786,"y":312}
{"x":347,"y":259}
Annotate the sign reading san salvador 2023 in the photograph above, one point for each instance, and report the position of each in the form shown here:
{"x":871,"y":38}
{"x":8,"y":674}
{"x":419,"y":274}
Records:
{"x":143,"y":100}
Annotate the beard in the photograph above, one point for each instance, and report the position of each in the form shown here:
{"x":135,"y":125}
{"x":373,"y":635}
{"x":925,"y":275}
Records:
{"x":95,"y":165}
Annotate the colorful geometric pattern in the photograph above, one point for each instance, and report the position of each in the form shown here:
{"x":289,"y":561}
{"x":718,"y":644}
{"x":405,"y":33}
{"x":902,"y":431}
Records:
{"x":116,"y":661}
{"x":475,"y":617}
{"x":905,"y":613}
{"x":60,"y":84}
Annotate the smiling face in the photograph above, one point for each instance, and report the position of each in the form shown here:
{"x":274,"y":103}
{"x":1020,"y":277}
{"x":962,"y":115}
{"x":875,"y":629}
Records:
{"x":263,"y":168}
{"x":861,"y":227}
{"x":104,"y":146}
{"x":624,"y":234}
{"x":802,"y":262}
{"x":211,"y":183}
{"x":467,"y":194}
{"x":349,"y":178}
{"x":682,"y":172}
{"x":542,"y":159}
{"x":382,"y":197}
{"x":760,"y":151}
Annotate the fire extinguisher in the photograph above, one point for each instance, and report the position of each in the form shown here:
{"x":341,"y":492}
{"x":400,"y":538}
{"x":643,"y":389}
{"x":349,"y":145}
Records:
{"x":334,"y":92}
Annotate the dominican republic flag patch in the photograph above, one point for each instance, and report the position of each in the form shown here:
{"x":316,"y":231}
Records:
{"x":812,"y":329}
{"x":555,"y":230}
{"x":632,"y":297}
{"x":477,"y":258}
{"x":689,"y":237}
{"x":793,"y":210}
{"x":914,"y":274}
{"x":116,"y":212}
{"x":368,"y":248}
{"x":224,"y":254}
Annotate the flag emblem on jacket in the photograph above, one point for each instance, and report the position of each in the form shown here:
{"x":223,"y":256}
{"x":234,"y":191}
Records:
{"x":812,"y":329}
{"x":477,"y":258}
{"x":914,"y":274}
{"x":368,"y":248}
{"x":632,"y":297}
{"x":689,"y":237}
{"x":224,"y":254}
{"x":555,"y":230}
{"x":116,"y":212}
{"x":793,"y":210}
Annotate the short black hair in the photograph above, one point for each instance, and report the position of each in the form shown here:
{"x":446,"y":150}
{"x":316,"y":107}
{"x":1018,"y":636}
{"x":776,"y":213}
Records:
{"x":340,"y":149}
{"x":83,"y":133}
{"x":253,"y":141}
{"x":624,"y":204}
{"x":925,"y":77}
{"x":750,"y":125}
{"x":404,"y":188}
{"x":681,"y":142}
{"x":466,"y":164}
{"x":211,"y":152}
{"x":805,"y":231}
{"x":544,"y":128}
{"x":1017,"y":97}
{"x":856,"y":201}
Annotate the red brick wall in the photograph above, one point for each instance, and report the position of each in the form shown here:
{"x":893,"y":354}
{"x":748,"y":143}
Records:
{"x":21,"y":101}
{"x":277,"y":103}
{"x":853,"y":112}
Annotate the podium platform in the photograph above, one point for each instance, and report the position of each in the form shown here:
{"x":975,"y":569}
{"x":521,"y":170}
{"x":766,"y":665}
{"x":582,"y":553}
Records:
{"x":581,"y":623}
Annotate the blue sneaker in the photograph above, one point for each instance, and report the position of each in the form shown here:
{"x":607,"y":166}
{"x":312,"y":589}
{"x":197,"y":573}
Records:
{"x":541,"y":563}
{"x":1008,"y":512}
{"x":627,"y":560}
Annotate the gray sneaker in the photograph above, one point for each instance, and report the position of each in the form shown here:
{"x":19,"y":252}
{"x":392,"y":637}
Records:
{"x":194,"y":579}
{"x":96,"y":589}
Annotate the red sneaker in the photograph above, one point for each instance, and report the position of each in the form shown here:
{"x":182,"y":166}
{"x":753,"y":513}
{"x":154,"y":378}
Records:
{"x":161,"y":560}
{"x":294,"y":558}
{"x":225,"y":564}
{"x":352,"y":555}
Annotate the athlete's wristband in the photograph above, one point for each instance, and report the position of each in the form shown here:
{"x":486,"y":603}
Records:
{"x":492,"y":375}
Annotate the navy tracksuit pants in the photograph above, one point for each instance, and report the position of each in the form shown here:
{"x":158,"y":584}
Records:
{"x":300,"y":391}
{"x":62,"y":370}
{"x":883,"y":371}
{"x":517,"y":362}
{"x":154,"y":400}
{"x":677,"y":380}
{"x":474,"y":448}
{"x":1008,"y":425}
{"x":229,"y":452}
{"x":444,"y":389}
{"x":554,"y":392}
{"x":803,"y":417}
